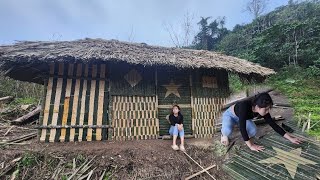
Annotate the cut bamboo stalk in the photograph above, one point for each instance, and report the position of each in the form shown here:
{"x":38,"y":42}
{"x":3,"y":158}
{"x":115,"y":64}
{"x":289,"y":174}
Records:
{"x":73,"y":126}
{"x":20,"y":139}
{"x":309,"y":122}
{"x":9,"y":166}
{"x":7,"y":132}
{"x":6,"y":99}
{"x":206,"y":171}
{"x":25,"y":118}
{"x":200,"y":172}
{"x":102,"y":175}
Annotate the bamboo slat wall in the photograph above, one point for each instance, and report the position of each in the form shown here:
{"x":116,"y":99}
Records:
{"x":76,"y":94}
{"x":134,"y":117}
{"x":77,"y":102}
{"x":206,"y":114}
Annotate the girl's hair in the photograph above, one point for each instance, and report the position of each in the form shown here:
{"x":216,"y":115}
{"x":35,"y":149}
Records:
{"x":177,"y":107}
{"x":262,"y":100}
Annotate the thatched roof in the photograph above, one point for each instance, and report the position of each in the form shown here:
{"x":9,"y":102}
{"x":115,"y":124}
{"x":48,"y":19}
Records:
{"x":28,"y":58}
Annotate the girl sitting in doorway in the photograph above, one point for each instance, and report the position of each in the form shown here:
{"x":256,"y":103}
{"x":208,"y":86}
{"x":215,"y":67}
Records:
{"x":176,"y":128}
{"x":242,"y":114}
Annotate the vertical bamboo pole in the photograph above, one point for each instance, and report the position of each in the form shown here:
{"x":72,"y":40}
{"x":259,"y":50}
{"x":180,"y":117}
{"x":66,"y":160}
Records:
{"x":100,"y":102}
{"x":83,"y":102}
{"x":47,"y":104}
{"x":91,"y":101}
{"x":66,"y":104}
{"x":56,"y":103}
{"x":75,"y":101}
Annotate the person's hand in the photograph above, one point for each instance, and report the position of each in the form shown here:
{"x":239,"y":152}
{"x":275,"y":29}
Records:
{"x":257,"y":148}
{"x":292,"y":139}
{"x":295,"y":140}
{"x":180,"y":127}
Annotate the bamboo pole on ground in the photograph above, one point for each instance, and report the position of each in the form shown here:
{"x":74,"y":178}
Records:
{"x":199,"y":165}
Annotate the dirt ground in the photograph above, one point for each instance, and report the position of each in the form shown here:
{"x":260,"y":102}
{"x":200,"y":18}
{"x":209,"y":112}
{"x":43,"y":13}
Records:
{"x":139,"y":159}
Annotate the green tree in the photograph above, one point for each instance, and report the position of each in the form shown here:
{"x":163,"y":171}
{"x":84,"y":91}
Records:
{"x":289,"y":35}
{"x":210,"y":33}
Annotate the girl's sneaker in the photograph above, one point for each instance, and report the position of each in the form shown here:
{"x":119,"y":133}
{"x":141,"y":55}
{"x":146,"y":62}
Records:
{"x":175,"y":147}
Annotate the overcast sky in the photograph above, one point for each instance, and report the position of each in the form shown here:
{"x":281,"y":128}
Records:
{"x":126,"y":20}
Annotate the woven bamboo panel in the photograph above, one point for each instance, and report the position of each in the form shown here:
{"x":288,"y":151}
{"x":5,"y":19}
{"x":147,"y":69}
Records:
{"x":280,"y":159}
{"x":76,"y":103}
{"x":206,"y":113}
{"x":134,"y":117}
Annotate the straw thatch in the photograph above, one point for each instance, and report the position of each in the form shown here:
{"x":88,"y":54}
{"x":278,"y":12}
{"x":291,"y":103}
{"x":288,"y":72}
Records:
{"x":25,"y":60}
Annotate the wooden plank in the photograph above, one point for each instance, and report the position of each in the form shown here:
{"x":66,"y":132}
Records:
{"x":100,"y":103}
{"x":66,"y":104}
{"x":91,"y":103}
{"x":83,"y":103}
{"x":47,"y":107}
{"x":56,"y":103}
{"x":49,"y":99}
{"x":100,"y":110}
{"x":75,"y":102}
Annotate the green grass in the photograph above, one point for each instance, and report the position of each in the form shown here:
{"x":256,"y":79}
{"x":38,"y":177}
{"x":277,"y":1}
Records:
{"x":26,"y":100}
{"x":236,"y":84}
{"x":302,"y":91}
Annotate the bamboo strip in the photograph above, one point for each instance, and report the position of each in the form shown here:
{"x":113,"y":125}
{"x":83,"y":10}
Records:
{"x":100,"y":103}
{"x":83,"y":102}
{"x":72,"y":126}
{"x":75,"y":102}
{"x":56,"y":104}
{"x":91,"y":103}
{"x":47,"y":105}
{"x":66,"y":104}
{"x":47,"y":102}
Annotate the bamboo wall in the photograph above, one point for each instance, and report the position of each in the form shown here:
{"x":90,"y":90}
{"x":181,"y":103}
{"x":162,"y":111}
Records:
{"x":86,"y":102}
{"x":206,"y":115}
{"x":207,"y":100}
{"x":76,"y":103}
{"x":134,"y":117}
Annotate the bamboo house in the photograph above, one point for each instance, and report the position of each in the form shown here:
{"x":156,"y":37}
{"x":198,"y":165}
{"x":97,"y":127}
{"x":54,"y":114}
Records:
{"x":99,"y":89}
